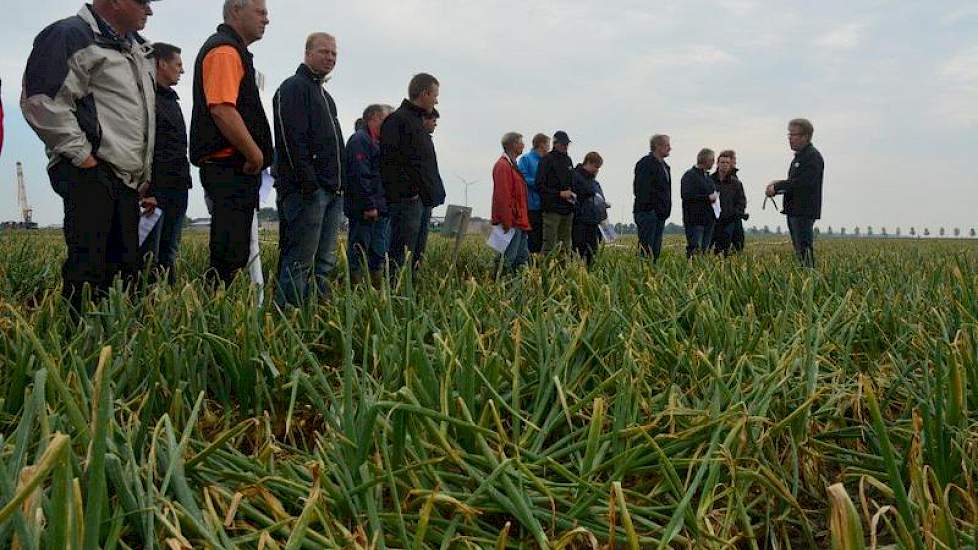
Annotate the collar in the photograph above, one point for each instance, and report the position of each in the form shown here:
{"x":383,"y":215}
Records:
{"x":307,"y":72}
{"x":166,"y":91}
{"x":228,"y":29}
{"x":374,"y":137}
{"x":105,"y":32}
{"x":804,"y":149}
{"x":406,"y":104}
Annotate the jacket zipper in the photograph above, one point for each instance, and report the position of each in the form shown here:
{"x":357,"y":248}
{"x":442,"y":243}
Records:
{"x":336,"y":141}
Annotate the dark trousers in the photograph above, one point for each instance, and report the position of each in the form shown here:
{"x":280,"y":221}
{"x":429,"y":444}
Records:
{"x":585,"y":237}
{"x":698,"y":238}
{"x":406,"y":217}
{"x":234,"y":199}
{"x":535,"y":235}
{"x":164,"y":241}
{"x":802,"y":232}
{"x":650,"y":229}
{"x":101,"y":229}
{"x":738,"y":240}
{"x":421,"y":244}
{"x":723,"y":236}
{"x":367,"y":241}
{"x":308,"y":227}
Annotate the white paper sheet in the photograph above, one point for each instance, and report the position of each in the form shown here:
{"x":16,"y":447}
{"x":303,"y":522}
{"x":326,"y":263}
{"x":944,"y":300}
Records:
{"x":254,"y":263}
{"x":716,"y":204}
{"x":499,"y":240}
{"x":267,"y":183}
{"x":608,"y":233}
{"x":147,"y":222}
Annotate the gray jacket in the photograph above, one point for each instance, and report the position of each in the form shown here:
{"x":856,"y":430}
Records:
{"x":88,"y":90}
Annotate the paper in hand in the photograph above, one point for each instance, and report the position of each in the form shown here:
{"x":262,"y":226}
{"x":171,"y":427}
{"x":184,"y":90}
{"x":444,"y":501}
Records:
{"x":147,"y":222}
{"x":499,"y":240}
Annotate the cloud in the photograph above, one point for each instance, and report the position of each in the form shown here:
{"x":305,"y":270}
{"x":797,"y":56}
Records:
{"x":845,"y":37}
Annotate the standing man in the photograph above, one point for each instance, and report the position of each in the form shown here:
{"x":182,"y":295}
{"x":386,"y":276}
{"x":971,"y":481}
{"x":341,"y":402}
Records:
{"x":699,"y":194}
{"x":652,"y":187}
{"x":168,"y":188}
{"x":555,"y":181}
{"x":365,"y":205}
{"x":309,"y":158}
{"x":408,"y":165}
{"x":528,"y":165}
{"x":738,"y":240}
{"x":88,"y":94}
{"x":591,"y":208}
{"x":509,"y":202}
{"x":437,"y":197}
{"x":230,"y":139}
{"x":733,"y":203}
{"x":802,"y":190}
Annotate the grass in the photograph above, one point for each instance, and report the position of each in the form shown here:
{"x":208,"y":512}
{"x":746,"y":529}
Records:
{"x":744,"y":403}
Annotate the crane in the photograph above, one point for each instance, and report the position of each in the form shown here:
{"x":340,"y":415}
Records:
{"x":25,"y":209}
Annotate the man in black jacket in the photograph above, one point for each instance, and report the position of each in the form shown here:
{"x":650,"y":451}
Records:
{"x":733,"y":203}
{"x":309,"y":169}
{"x":167,"y":189}
{"x":802,"y":190}
{"x":555,"y":182}
{"x":653,"y":196}
{"x":699,"y":194}
{"x":408,"y":165}
{"x":230,"y":139}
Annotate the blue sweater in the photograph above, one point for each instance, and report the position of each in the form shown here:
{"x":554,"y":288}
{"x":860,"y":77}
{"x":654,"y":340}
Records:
{"x":527,"y":165}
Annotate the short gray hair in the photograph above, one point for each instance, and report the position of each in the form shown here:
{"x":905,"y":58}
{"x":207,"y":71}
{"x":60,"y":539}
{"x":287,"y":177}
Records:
{"x":374,"y":110}
{"x":658,"y":139}
{"x":703,"y":155}
{"x":804,"y":125}
{"x":230,"y":5}
{"x":510,"y":139}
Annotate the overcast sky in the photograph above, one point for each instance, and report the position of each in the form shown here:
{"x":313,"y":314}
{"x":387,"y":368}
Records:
{"x":891,"y":86}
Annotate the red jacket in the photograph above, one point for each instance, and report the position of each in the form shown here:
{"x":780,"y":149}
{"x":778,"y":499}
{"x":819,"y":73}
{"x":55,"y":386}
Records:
{"x":509,"y":196}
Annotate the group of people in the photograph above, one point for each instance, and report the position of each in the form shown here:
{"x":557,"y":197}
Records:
{"x":101,"y":99}
{"x":553,"y":205}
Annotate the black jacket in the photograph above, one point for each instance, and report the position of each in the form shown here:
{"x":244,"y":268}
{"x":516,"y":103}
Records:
{"x":364,"y":189}
{"x":653,"y":187}
{"x":696,"y":188}
{"x":205,"y":137}
{"x":407,"y":156}
{"x":591,"y":208}
{"x":733,"y":200}
{"x":171,"y":168}
{"x":803,"y":188}
{"x":309,"y":149}
{"x":555,"y":174}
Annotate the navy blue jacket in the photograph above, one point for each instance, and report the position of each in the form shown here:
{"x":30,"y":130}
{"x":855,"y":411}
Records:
{"x":803,"y":188}
{"x":696,"y":188}
{"x":590,"y":208}
{"x":555,"y":173}
{"x":408,"y":164}
{"x":308,"y":140}
{"x":364,"y":190}
{"x":171,"y":167}
{"x":653,"y":187}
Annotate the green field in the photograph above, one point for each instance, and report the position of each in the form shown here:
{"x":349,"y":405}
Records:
{"x":692,"y":405}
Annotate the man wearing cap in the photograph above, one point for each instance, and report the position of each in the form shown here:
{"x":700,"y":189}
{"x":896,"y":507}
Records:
{"x":230,"y":139}
{"x":89,"y":95}
{"x":555,"y":177}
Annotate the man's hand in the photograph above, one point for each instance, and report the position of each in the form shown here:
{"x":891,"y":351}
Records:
{"x":506,"y":227}
{"x":253,"y":163}
{"x":770,"y":191}
{"x":90,"y":162}
{"x":371,"y":215}
{"x":714,"y":197}
{"x":148,"y":204}
{"x":143,"y":189}
{"x":567,"y":195}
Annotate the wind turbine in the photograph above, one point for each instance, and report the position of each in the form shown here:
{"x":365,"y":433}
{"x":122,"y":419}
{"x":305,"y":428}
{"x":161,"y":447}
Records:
{"x":467,"y":183}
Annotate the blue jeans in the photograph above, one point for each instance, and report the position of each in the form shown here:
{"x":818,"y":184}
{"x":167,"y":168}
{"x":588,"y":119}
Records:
{"x":802,"y":232}
{"x":698,"y":238}
{"x":370,"y":240}
{"x":517,"y":253}
{"x":164,"y":241}
{"x":406,"y":217}
{"x":650,"y":229}
{"x":422,"y":243}
{"x":308,"y":224}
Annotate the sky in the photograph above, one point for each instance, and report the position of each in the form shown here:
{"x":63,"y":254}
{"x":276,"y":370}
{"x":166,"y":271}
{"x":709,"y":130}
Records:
{"x":891,"y":87}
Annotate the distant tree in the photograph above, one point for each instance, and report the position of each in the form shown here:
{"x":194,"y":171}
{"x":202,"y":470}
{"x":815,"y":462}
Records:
{"x":898,"y":232}
{"x":913,"y":232}
{"x":767,"y":230}
{"x":926,"y":232}
{"x":869,"y":231}
{"x":942,"y":232}
{"x":779,"y":230}
{"x":957,"y":232}
{"x":753,"y":230}
{"x":856,"y":231}
{"x":842,"y":231}
{"x":972,"y":233}
{"x":818,"y":231}
{"x":884,"y":233}
{"x":829,"y":232}
{"x":631,"y":229}
{"x":267,"y":214}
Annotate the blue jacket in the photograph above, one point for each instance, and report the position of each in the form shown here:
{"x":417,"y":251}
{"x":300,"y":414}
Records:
{"x":364,"y":189}
{"x":590,"y":208}
{"x":527,"y":166}
{"x":308,"y":140}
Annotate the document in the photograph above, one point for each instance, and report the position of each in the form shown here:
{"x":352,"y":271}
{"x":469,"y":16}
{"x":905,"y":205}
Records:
{"x":147,"y":222}
{"x":499,"y":240}
{"x":608,"y":233}
{"x":267,"y":183}
{"x":716,"y":204}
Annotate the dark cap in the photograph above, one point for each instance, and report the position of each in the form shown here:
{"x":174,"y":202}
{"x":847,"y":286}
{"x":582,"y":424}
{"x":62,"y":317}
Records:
{"x":561,"y":137}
